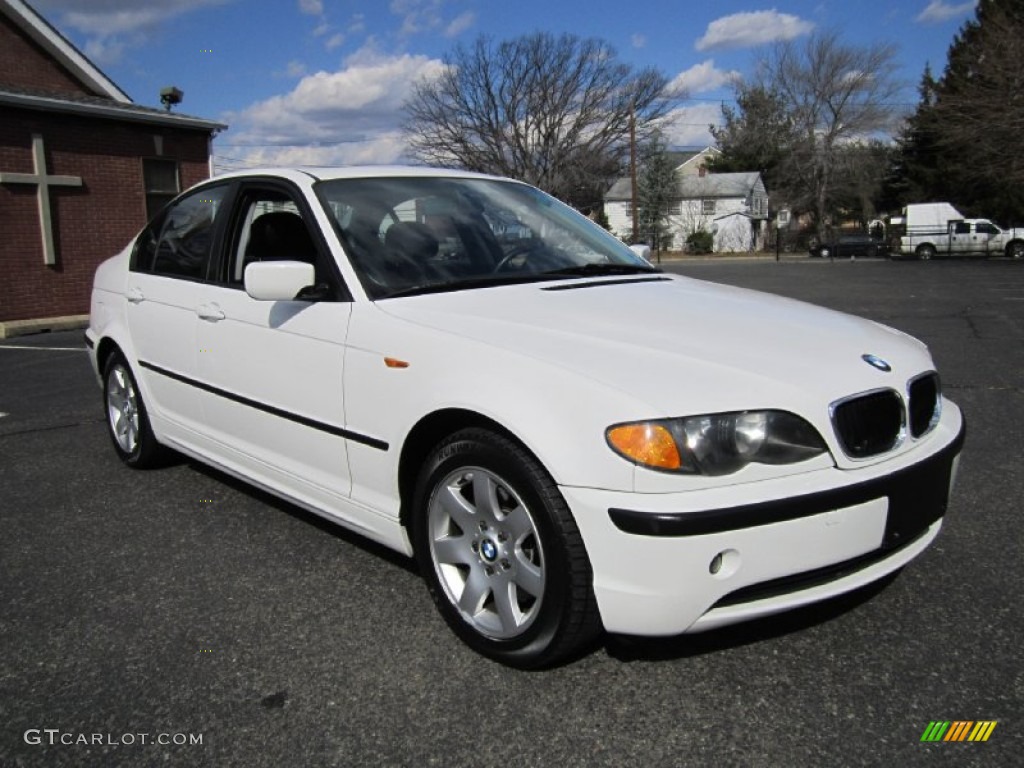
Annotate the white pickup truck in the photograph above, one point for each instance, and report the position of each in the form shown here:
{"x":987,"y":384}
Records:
{"x":933,"y":229}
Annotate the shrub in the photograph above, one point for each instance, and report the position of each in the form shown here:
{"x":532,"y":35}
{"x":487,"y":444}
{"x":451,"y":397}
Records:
{"x":700,"y":242}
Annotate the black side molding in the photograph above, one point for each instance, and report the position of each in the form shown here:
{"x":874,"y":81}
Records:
{"x":274,"y":411}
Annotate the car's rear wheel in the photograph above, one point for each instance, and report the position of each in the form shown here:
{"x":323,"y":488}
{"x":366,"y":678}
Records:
{"x":1015,"y":250}
{"x":127,"y":419}
{"x":501,"y":553}
{"x":925,"y":252}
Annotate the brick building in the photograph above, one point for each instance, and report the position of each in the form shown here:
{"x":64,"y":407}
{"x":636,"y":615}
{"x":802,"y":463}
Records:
{"x":81,"y":169}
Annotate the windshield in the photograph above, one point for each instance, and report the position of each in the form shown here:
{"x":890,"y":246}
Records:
{"x":407,"y":235}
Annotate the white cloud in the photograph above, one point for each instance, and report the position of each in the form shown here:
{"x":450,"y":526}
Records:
{"x":347,"y":116}
{"x":336,"y":41}
{"x":750,"y":28}
{"x":294,"y":69}
{"x":939,"y":11}
{"x":701,"y":78}
{"x":312,"y":7}
{"x":688,"y":126}
{"x":417,"y":15}
{"x":381,"y":149}
{"x":460,"y":24}
{"x":637,"y":40}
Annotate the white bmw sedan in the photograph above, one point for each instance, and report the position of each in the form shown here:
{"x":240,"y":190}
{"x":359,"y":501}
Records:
{"x":564,"y":437}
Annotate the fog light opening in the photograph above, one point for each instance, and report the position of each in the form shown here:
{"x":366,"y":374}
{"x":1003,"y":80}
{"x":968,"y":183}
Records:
{"x":724,"y":564}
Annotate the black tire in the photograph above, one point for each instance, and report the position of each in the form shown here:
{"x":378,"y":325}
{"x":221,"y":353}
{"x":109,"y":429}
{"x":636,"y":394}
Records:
{"x":925,"y":252}
{"x":1015,"y":249}
{"x":127,"y":419}
{"x":522,"y":537}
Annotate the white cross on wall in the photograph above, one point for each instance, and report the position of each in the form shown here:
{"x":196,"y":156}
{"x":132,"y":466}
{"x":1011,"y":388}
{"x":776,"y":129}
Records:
{"x":43,"y":182}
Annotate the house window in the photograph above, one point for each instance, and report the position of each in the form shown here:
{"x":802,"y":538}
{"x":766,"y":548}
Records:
{"x":674,"y":208}
{"x":707,"y":207}
{"x":160,"y":177}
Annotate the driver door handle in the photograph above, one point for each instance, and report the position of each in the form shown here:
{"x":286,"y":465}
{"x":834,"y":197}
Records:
{"x":210,"y":312}
{"x":135,"y":295}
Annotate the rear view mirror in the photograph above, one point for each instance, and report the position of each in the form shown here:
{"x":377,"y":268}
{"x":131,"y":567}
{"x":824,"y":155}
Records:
{"x":278,"y":280}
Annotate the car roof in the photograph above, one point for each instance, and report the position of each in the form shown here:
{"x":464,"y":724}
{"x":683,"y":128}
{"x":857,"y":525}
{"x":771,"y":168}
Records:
{"x":326,"y":173}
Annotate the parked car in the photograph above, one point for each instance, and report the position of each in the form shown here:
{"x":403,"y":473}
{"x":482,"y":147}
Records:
{"x":563,"y":436}
{"x":854,"y":245}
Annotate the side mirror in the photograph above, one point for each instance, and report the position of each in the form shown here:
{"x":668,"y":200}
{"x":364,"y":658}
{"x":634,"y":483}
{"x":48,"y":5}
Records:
{"x":278,"y":280}
{"x":641,"y":250}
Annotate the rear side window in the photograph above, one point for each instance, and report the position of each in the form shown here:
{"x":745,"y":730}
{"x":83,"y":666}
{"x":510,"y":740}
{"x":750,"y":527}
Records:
{"x":179,"y":243}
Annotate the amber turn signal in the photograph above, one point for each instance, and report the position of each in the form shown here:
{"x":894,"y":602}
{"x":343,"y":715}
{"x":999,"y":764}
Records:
{"x":650,"y":445}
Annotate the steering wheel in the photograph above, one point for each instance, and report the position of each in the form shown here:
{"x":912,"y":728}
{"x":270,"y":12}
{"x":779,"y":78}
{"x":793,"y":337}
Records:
{"x":520,"y":249}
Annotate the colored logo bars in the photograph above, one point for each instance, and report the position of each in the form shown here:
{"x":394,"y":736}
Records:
{"x":958,"y":730}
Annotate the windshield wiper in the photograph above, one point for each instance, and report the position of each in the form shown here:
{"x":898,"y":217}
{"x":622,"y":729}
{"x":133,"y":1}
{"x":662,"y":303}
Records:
{"x":599,"y":270}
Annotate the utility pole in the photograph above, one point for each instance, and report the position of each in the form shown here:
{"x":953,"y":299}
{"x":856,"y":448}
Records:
{"x":632,"y":171}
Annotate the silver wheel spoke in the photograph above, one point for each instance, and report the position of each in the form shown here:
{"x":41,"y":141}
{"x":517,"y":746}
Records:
{"x":508,"y":611}
{"x":474,"y":593}
{"x":528,"y":576}
{"x":453,"y":550}
{"x":485,"y":494}
{"x":457,"y":508}
{"x":518,"y":524}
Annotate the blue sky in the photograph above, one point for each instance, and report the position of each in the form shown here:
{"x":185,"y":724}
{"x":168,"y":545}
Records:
{"x":322,"y":81}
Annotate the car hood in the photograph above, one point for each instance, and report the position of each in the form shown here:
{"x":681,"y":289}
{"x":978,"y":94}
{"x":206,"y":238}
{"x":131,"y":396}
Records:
{"x":679,"y":344}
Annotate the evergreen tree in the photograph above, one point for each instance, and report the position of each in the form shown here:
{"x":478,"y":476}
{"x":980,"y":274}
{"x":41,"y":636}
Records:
{"x":756,"y":135}
{"x":656,"y":192}
{"x":963,"y":142}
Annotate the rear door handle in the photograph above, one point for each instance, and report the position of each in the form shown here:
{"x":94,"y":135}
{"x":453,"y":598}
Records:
{"x":135,"y":295}
{"x":210,"y":312}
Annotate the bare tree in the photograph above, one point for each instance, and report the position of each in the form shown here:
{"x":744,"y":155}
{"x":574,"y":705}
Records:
{"x":834,"y":94}
{"x":552,"y":111}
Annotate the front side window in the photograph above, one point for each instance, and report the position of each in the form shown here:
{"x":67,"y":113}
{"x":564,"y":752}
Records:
{"x":430,"y":234}
{"x":179,"y":242}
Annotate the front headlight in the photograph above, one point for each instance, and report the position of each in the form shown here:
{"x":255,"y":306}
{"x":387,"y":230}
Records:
{"x":718,"y":443}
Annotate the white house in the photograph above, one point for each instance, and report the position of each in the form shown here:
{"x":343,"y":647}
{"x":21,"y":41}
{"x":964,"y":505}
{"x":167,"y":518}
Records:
{"x":731,"y":206}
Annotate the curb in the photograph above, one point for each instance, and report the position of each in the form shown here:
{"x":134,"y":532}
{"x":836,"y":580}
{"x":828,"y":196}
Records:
{"x":11,"y":328}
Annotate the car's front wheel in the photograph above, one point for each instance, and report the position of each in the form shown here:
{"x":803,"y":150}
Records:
{"x":501,"y":553}
{"x":127,"y":419}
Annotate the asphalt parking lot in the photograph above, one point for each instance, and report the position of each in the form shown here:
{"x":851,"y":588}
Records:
{"x":179,"y":602}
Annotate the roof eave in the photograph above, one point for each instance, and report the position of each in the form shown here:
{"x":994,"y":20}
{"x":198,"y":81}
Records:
{"x":114,"y":112}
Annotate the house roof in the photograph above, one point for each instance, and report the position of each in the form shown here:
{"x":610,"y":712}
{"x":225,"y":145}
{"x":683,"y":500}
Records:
{"x":39,"y":30}
{"x":107,"y":101}
{"x":679,"y":159}
{"x":712,"y":185}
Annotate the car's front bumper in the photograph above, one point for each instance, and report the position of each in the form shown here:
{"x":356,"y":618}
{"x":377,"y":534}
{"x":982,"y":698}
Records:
{"x":666,"y":564}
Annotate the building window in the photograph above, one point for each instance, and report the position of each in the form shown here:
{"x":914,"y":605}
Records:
{"x":707,"y":207}
{"x":161,"y":179}
{"x":675,"y":208}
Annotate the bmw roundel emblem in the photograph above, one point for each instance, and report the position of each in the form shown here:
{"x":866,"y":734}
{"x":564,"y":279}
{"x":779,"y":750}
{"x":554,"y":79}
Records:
{"x":876,"y":362}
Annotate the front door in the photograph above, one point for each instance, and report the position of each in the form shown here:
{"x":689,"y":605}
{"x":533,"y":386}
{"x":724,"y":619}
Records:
{"x":272,"y":371}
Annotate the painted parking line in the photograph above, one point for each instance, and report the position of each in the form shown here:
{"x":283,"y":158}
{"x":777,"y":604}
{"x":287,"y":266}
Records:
{"x":43,"y":349}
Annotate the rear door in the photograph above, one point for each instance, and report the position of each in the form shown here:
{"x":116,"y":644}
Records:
{"x":170,"y":266}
